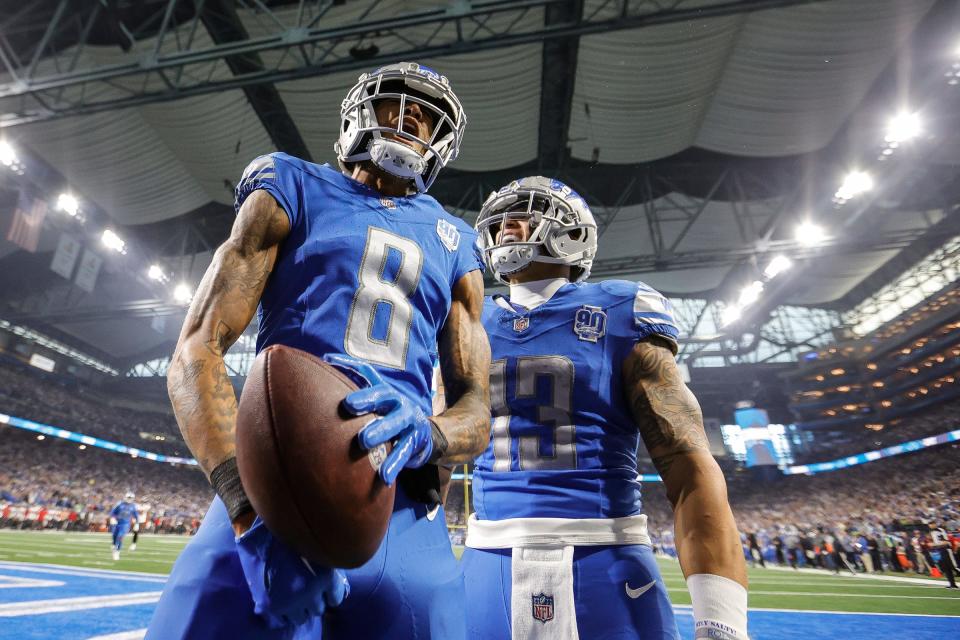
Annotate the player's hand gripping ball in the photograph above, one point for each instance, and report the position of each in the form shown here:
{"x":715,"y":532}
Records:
{"x":316,"y":489}
{"x":287,"y":589}
{"x":399,"y":419}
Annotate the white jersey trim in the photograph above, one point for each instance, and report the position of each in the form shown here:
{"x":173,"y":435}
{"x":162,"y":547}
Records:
{"x":525,"y":532}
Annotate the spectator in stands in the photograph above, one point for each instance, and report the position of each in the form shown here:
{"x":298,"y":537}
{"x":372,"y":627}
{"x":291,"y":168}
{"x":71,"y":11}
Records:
{"x":76,"y":489}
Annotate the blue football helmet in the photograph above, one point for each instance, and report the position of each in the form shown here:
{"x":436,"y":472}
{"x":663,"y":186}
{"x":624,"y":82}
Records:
{"x":562,"y":228}
{"x":363,"y":138}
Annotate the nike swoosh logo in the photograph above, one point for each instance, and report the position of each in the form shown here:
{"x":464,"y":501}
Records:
{"x":636,"y":593}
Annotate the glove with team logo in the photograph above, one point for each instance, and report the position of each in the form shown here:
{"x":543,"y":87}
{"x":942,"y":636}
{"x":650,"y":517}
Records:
{"x":287,"y":589}
{"x":416,"y":438}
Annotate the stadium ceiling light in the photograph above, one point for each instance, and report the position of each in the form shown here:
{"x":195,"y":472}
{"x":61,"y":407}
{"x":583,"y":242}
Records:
{"x":729,"y":315}
{"x":750,"y":294}
{"x":182,"y":293}
{"x":155,"y":272}
{"x":810,"y":234}
{"x":778,"y":265}
{"x":902,"y":127}
{"x":8,"y":157}
{"x":112,"y":241}
{"x":68,"y":204}
{"x":855,"y":183}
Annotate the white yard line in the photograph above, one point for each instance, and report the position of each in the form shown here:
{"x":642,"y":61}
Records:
{"x":57,"y":605}
{"x":16,"y":582}
{"x":686,"y":608}
{"x":863,"y":576}
{"x":822,"y":583}
{"x":816,"y":594}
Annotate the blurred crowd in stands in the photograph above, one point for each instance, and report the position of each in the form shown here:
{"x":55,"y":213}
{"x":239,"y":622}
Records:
{"x":32,"y":395}
{"x":53,"y":483}
{"x":873,"y":517}
{"x":858,"y":439}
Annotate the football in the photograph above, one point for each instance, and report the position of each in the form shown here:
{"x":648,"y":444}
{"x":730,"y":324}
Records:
{"x":300,"y":463}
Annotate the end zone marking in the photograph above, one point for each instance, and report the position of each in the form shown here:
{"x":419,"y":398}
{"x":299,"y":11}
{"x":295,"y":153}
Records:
{"x":136,"y":634}
{"x":58,"y":605}
{"x":84,"y":572}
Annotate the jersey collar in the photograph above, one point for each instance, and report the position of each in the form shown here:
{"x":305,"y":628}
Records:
{"x":535,"y":293}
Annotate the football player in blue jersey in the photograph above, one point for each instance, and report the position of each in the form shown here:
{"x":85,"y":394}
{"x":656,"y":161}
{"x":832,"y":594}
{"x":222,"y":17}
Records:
{"x":122,"y":517}
{"x":355,"y":263}
{"x":558,"y":547}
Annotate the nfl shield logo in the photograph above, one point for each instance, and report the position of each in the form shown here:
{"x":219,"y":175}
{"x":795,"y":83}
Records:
{"x":449,"y":235}
{"x":521,"y":324}
{"x":388,"y":203}
{"x":543,"y":607}
{"x":590,"y":323}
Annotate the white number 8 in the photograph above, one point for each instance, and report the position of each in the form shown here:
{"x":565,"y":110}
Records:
{"x":375,"y":290}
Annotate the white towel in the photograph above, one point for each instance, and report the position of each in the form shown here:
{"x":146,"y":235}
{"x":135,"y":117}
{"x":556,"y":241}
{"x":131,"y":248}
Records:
{"x":542,"y":596}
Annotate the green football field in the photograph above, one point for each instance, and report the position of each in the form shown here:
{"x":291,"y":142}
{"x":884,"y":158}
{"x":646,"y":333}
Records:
{"x":769,"y":588}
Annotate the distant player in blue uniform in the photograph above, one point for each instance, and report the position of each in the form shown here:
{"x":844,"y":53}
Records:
{"x":359,"y":265}
{"x":558,"y":546}
{"x":122,"y":518}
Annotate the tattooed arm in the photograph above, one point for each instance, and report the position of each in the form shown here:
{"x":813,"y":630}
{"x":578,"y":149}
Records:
{"x":203,"y":398}
{"x":465,"y":367}
{"x":670,"y":423}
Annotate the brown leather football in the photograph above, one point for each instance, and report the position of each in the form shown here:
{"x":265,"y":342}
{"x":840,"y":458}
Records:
{"x":297,"y":452}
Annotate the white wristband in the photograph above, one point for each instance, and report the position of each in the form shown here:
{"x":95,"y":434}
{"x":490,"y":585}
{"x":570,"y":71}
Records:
{"x":719,"y":607}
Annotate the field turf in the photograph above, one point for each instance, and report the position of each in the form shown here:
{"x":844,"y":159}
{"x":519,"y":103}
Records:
{"x":777,"y":597}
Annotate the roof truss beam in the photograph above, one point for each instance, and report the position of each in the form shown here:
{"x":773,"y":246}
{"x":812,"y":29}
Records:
{"x":312,"y":50}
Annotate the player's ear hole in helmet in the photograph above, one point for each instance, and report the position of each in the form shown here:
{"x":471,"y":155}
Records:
{"x":562,"y":228}
{"x":363,"y":138}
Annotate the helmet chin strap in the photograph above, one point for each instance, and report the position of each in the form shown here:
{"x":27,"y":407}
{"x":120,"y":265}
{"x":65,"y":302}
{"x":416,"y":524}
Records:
{"x":397,"y":159}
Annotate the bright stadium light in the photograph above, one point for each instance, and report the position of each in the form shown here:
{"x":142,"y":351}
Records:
{"x":750,"y":294}
{"x":182,"y":293}
{"x":729,"y":315}
{"x":8,"y":157}
{"x":809,"y":234}
{"x":855,"y":183}
{"x":155,"y":272}
{"x":902,"y":127}
{"x":112,"y":241}
{"x":778,"y":265}
{"x":68,"y":204}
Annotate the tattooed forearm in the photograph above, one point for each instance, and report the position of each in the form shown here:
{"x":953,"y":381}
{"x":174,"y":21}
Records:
{"x":670,"y":423}
{"x":465,"y":366}
{"x":667,"y":413}
{"x":199,"y":386}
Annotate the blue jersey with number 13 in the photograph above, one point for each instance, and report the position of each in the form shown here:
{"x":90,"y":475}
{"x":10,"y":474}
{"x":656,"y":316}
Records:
{"x":360,"y":273}
{"x":563,"y":442}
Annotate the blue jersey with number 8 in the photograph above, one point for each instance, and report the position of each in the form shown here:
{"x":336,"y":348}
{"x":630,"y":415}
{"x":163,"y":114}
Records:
{"x":360,"y":273}
{"x":563,"y":443}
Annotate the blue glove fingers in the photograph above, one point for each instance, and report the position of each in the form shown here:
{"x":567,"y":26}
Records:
{"x":422,"y":456}
{"x":397,"y":459}
{"x":382,"y":429}
{"x":379,"y":399}
{"x":359,"y":366}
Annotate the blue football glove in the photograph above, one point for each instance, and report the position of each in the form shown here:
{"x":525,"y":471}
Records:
{"x":287,"y":589}
{"x":399,"y":418}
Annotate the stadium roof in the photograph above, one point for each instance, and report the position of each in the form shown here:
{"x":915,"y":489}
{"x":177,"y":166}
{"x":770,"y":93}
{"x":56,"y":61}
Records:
{"x":701,"y":132}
